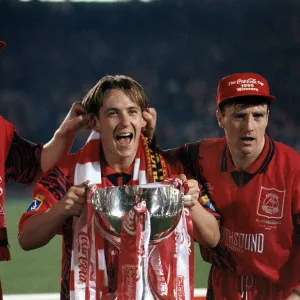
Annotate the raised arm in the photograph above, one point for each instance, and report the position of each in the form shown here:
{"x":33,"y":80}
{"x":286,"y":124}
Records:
{"x":25,"y":160}
{"x":63,"y":138}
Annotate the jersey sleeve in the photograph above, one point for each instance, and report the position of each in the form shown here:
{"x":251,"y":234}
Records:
{"x":185,"y":160}
{"x":47,"y":192}
{"x":172,"y":158}
{"x":23,"y":160}
{"x":208,"y":204}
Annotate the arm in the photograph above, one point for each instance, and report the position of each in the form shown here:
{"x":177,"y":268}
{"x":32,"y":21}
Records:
{"x":63,"y":138}
{"x":53,"y":203}
{"x":206,"y":228}
{"x":25,"y":160}
{"x":40,"y":228}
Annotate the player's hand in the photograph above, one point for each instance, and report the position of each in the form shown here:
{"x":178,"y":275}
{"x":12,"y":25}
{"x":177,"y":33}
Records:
{"x":150,"y":116}
{"x":73,"y":202}
{"x":193,"y":192}
{"x":76,"y":119}
{"x":293,"y":296}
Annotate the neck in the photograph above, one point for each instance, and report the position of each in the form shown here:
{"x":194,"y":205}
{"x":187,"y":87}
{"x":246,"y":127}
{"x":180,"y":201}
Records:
{"x":118,"y":162}
{"x":122,"y":165}
{"x":243,"y":161}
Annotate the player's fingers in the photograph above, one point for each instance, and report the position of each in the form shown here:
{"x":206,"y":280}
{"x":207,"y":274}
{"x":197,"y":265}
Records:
{"x":78,"y":108}
{"x":150,"y":117}
{"x":147,"y":116}
{"x":152,"y":112}
{"x":182,"y":177}
{"x":71,"y":198}
{"x":193,"y":189}
{"x":80,"y":199}
{"x":77,"y":206}
{"x":77,"y":123}
{"x":78,"y":190}
{"x":188,"y":203}
{"x":192,"y":183}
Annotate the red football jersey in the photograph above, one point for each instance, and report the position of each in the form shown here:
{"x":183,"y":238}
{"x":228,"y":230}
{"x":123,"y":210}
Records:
{"x":260,"y":217}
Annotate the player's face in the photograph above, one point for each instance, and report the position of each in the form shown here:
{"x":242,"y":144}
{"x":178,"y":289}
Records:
{"x":119,"y":123}
{"x":245,"y":128}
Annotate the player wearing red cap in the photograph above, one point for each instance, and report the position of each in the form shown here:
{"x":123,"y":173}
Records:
{"x":254,"y":183}
{"x":21,"y":160}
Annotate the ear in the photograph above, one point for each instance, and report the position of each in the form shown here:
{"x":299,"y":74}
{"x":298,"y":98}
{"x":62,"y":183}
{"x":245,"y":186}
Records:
{"x":220,"y":118}
{"x":95,"y":124}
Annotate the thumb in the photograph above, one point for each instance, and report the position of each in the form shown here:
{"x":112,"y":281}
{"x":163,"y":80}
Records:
{"x":182,"y":177}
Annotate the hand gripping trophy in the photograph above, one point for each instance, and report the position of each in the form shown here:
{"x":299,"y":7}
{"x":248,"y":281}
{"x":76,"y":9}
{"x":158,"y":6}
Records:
{"x":135,"y":219}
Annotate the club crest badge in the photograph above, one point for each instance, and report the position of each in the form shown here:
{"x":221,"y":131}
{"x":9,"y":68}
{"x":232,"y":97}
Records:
{"x":271,"y":203}
{"x":36,"y":203}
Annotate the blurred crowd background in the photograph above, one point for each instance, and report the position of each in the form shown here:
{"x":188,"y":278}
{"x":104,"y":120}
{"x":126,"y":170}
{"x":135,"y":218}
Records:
{"x":177,"y":49}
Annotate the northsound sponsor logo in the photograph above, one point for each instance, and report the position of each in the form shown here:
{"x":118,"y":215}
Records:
{"x":240,"y":242}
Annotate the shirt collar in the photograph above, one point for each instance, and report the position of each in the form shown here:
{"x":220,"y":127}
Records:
{"x":258,"y":166}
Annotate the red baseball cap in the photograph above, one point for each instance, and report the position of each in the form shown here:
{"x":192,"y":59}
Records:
{"x":243,"y":84}
{"x":2,"y":45}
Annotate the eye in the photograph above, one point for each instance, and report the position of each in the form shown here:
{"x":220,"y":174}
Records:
{"x":111,"y":113}
{"x":133,"y":111}
{"x":258,"y":115}
{"x":239,"y":116}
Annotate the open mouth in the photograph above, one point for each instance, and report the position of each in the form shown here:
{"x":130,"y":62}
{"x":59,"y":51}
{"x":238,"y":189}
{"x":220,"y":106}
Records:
{"x":247,"y":139}
{"x":124,"y":139}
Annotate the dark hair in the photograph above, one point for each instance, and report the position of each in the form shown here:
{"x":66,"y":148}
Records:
{"x":93,"y":100}
{"x":244,"y":102}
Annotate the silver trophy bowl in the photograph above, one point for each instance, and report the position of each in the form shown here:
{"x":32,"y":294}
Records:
{"x":112,"y":203}
{"x":164,"y":203}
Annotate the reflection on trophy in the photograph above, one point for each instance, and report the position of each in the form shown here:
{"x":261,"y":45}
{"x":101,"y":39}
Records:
{"x":164,"y":204}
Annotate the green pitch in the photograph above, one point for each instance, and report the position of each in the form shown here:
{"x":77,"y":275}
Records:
{"x":38,"y":271}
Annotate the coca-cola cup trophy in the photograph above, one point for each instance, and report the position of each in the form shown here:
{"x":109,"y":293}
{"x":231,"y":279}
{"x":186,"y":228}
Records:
{"x":164,"y":203}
